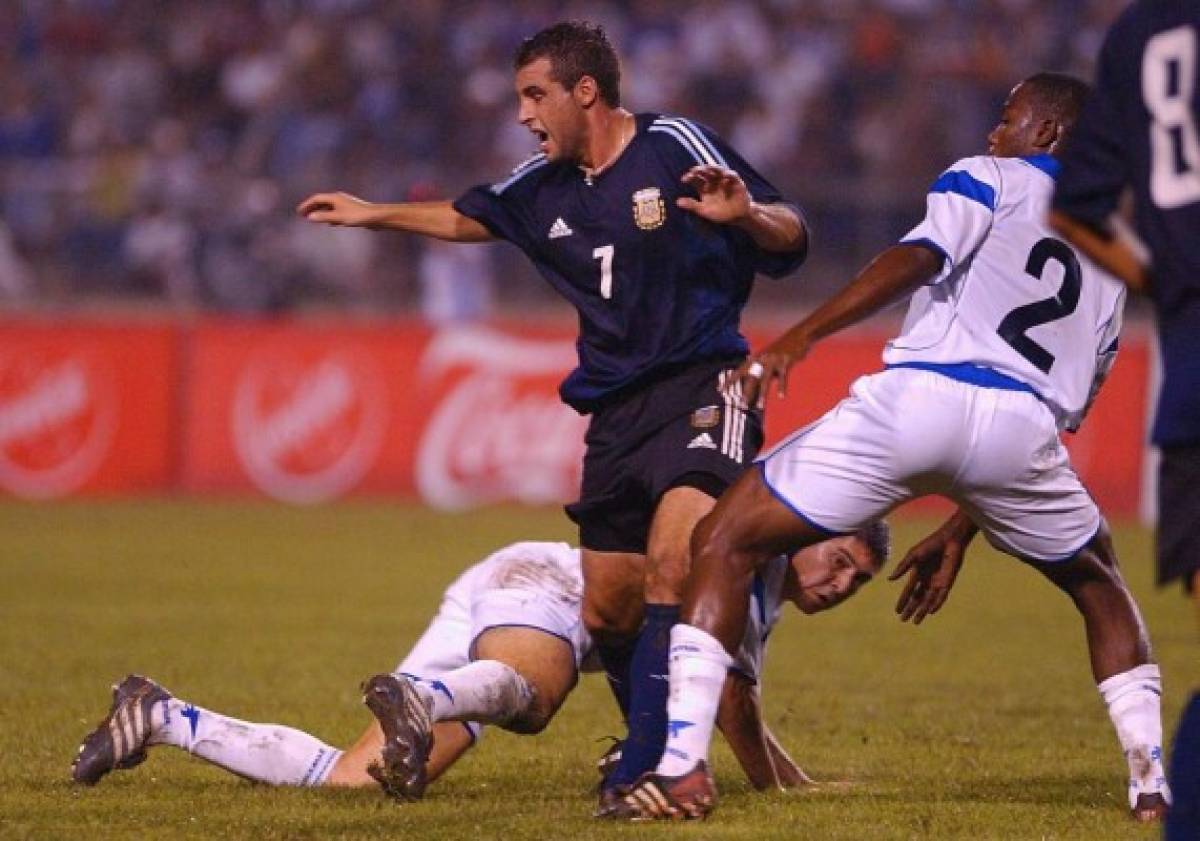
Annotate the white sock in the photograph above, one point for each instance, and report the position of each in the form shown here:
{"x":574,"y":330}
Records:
{"x":486,"y":691}
{"x":267,"y":753}
{"x":1133,"y":705}
{"x":698,"y":665}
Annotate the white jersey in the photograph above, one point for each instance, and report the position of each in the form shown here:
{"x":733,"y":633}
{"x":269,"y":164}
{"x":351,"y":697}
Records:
{"x":1011,"y":297}
{"x":540,"y":585}
{"x":766,"y":602}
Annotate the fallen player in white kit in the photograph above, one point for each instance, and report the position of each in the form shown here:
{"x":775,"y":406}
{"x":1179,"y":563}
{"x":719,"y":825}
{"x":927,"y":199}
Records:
{"x":505,"y":648}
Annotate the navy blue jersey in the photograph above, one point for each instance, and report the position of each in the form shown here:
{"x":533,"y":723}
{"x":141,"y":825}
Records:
{"x":657,"y":288}
{"x":1141,"y":128}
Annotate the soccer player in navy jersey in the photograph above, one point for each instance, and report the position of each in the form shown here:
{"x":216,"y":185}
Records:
{"x":1141,"y":130}
{"x":653,"y":228}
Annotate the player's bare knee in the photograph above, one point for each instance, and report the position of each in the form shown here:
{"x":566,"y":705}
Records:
{"x":611,"y":624}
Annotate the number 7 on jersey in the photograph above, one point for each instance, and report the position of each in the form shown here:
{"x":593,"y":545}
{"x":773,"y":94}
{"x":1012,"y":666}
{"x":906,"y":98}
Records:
{"x":604,"y":254}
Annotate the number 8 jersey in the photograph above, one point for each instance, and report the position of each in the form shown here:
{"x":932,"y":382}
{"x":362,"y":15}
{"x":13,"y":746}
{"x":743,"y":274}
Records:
{"x":1010,"y":296}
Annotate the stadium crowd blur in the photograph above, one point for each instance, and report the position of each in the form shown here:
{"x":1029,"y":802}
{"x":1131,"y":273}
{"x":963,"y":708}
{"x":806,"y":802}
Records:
{"x":154,"y":150}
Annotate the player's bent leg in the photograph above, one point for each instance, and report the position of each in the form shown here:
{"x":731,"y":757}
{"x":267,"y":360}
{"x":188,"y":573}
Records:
{"x":612,"y":613}
{"x":144,"y":714}
{"x":1129,"y":683}
{"x":612,"y":594}
{"x":1116,"y":635}
{"x":667,"y":563}
{"x":518,"y":680}
{"x":450,"y":741}
{"x":668,"y":554}
{"x":545,"y":663}
{"x":748,"y":526}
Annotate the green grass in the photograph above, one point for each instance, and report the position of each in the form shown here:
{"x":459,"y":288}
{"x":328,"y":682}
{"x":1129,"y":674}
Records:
{"x":982,"y":723}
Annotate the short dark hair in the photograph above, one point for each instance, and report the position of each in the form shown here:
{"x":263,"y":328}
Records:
{"x":877,"y":535}
{"x":1057,"y":96}
{"x":576,"y":49}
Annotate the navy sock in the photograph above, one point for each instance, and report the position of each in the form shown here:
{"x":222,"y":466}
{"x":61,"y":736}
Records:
{"x":616,"y":659}
{"x":648,"y":700}
{"x":1183,"y":819}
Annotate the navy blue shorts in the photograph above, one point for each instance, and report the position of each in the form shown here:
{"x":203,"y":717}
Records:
{"x":1179,"y":514}
{"x":682,"y":430}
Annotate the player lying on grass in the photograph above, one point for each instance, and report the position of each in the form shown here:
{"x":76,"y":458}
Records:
{"x":504,"y":648}
{"x":1008,"y":336}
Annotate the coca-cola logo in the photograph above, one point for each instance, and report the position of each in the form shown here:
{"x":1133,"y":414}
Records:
{"x":307,"y":427}
{"x":58,"y":417}
{"x":501,"y":432}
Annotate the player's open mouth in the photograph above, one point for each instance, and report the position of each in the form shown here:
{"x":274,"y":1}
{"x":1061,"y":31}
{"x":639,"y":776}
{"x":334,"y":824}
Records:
{"x":543,"y":139}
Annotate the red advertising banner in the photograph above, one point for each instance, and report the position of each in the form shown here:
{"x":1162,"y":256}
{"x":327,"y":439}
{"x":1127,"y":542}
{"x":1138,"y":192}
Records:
{"x":307,"y":412}
{"x":86,"y":408}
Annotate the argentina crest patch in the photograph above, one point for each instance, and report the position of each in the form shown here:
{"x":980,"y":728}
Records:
{"x":649,"y":209}
{"x":706,"y":417}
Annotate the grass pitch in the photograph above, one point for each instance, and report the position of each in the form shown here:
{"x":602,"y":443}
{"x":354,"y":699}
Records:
{"x":981,"y":723}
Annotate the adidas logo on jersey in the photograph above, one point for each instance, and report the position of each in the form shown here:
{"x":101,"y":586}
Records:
{"x":560,"y":229}
{"x":703,"y":441}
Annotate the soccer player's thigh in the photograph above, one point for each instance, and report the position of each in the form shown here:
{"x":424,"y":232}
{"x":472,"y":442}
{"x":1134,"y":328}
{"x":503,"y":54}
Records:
{"x":693,"y":459}
{"x":854,"y":464}
{"x":1040,"y":513}
{"x":613,"y":515}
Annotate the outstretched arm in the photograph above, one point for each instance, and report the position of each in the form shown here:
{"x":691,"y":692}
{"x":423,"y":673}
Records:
{"x":739,"y":717}
{"x":889,"y":277}
{"x":933,"y":565}
{"x":1109,"y":252}
{"x":436,"y":219}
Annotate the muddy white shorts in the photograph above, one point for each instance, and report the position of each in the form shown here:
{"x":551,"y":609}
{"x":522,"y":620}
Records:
{"x":906,"y":432}
{"x":525,"y":585}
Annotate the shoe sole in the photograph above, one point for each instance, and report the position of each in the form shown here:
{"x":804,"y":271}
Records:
{"x":407,"y":736}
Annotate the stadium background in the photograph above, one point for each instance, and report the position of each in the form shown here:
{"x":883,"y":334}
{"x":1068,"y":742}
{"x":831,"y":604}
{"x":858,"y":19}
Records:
{"x":170,"y":324}
{"x":178,"y":352}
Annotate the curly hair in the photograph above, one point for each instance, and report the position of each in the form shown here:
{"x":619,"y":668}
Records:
{"x":575,"y":49}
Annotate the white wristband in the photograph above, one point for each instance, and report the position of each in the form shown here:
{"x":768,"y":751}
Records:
{"x":755,"y":370}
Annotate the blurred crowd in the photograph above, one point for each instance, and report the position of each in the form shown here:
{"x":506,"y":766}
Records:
{"x":155,"y":149}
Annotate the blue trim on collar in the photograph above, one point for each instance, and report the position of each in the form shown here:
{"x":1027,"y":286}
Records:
{"x":1046,"y":163}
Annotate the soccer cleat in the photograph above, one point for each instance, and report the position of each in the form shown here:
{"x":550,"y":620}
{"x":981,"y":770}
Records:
{"x":407,"y":735}
{"x":119,"y":741}
{"x":654,"y":797}
{"x":612,"y":800}
{"x":1149,"y":808}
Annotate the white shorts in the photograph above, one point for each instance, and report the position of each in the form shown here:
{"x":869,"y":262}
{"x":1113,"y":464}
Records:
{"x":905,"y":433}
{"x":515,"y":587}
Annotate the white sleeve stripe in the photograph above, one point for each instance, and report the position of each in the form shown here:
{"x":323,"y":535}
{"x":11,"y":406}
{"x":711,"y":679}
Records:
{"x":683,"y":141}
{"x":694,"y":132}
{"x":536,"y":162}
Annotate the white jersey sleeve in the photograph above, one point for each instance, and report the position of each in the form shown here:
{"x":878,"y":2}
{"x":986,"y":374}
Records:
{"x":1011,"y":297}
{"x":766,"y":602}
{"x":959,"y":211}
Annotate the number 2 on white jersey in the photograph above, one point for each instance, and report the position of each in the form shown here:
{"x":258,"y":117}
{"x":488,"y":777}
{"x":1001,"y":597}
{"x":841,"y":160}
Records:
{"x":1168,"y":82}
{"x":604,"y":254}
{"x":1014,"y":326}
